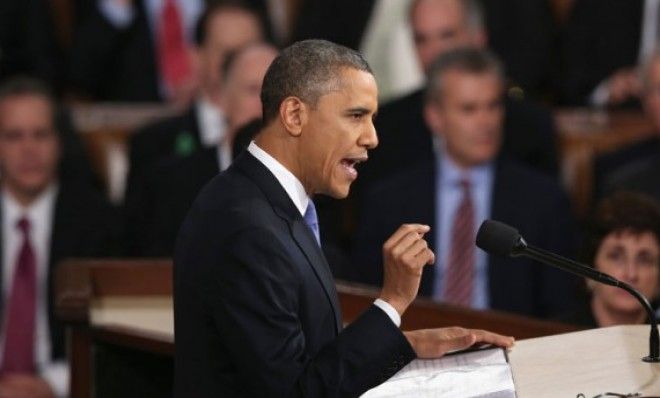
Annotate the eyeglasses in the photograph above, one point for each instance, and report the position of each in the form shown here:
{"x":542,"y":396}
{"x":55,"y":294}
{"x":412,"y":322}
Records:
{"x":614,"y":394}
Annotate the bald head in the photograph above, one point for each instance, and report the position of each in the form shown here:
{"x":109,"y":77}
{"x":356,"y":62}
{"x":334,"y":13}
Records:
{"x":244,"y":75}
{"x":442,"y":25}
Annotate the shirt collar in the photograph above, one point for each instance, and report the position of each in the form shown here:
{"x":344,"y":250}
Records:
{"x":451,"y":174}
{"x":212,"y":127}
{"x":289,"y":182}
{"x":35,"y":212}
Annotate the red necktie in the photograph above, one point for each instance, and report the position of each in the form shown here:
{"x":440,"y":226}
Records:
{"x":21,"y":310}
{"x":459,"y":276}
{"x":175,"y":66}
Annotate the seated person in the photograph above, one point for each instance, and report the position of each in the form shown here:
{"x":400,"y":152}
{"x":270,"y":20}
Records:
{"x":467,"y":181}
{"x":45,"y":218}
{"x":613,"y":170}
{"x":161,"y":200}
{"x":624,"y":242}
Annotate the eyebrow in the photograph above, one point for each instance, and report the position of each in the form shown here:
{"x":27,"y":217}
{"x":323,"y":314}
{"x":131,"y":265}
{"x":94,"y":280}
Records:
{"x":359,"y":109}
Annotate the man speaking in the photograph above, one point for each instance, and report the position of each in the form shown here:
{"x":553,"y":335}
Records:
{"x":256,"y":310}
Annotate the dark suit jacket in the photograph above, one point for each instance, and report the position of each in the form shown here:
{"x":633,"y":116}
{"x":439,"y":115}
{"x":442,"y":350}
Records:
{"x":113,"y":64}
{"x":642,"y":176}
{"x":255,"y":307}
{"x":83,"y":226}
{"x":404,"y":138}
{"x":160,"y":202}
{"x":610,"y":168}
{"x":160,"y":197}
{"x":529,"y":201}
{"x":520,"y":31}
{"x":601,"y":36}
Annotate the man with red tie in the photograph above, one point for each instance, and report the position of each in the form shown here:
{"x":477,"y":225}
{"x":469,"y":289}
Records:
{"x":43,"y":218}
{"x":469,"y":180}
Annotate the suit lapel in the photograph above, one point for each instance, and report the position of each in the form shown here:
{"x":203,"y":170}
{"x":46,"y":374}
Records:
{"x":301,"y":234}
{"x":307,"y":243}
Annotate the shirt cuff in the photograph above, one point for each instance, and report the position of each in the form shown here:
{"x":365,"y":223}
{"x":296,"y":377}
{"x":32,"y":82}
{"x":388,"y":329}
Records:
{"x":119,"y":16}
{"x":56,"y":375}
{"x":601,"y":95}
{"x":389,"y":310}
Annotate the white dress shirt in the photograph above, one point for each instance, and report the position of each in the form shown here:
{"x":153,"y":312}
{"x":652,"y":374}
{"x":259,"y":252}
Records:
{"x":213,"y":131}
{"x":296,"y":192}
{"x":40,"y":215}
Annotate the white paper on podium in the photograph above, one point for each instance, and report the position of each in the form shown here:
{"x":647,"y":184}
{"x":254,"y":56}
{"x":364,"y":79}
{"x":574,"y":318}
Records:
{"x":478,"y":374}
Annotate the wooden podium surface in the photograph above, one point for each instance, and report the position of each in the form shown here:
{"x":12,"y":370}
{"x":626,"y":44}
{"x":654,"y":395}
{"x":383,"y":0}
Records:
{"x":121,"y":327}
{"x":590,"y":362}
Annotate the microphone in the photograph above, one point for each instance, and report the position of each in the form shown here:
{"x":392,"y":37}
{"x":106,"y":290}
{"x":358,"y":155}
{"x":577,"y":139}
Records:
{"x":504,"y":240}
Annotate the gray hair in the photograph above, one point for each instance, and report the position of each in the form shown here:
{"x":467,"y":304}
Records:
{"x":308,"y":70}
{"x":469,"y":60}
{"x":474,"y":13}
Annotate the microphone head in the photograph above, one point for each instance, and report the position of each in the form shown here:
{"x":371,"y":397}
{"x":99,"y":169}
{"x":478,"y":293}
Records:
{"x":498,"y":238}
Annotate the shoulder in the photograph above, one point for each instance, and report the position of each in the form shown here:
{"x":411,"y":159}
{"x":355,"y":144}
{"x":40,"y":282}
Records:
{"x":166,"y":127}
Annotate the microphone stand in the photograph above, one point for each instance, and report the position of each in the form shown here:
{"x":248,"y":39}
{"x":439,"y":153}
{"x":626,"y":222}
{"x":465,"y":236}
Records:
{"x":521,"y":248}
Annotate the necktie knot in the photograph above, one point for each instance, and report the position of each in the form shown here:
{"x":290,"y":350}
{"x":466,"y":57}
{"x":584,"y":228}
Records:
{"x":465,"y":184}
{"x":23,"y":224}
{"x":312,"y":221}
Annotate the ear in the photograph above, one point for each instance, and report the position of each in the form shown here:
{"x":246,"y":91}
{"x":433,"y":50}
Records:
{"x":293,"y":114}
{"x":433,"y":118}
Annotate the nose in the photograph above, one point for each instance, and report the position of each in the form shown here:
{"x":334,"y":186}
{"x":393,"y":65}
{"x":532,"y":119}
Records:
{"x":369,"y":138}
{"x":631,"y":271}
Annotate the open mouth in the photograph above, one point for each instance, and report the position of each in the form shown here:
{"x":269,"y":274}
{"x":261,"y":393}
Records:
{"x":349,"y":164}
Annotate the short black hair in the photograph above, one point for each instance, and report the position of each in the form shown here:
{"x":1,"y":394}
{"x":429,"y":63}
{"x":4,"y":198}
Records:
{"x":305,"y":70}
{"x":621,"y":212}
{"x":215,"y":6}
{"x":20,"y":85}
{"x":466,"y":59}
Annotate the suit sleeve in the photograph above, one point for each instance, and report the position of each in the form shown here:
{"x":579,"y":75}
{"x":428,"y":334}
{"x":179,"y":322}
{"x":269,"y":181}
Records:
{"x":256,"y":309}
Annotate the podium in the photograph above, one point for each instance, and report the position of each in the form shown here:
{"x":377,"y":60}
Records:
{"x":119,"y":322}
{"x":590,"y":362}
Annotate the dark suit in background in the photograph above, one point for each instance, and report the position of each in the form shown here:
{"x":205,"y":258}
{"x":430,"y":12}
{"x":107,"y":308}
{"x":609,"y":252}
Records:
{"x":519,"y":31}
{"x":83,"y":225}
{"x":642,"y":176}
{"x":163,"y":187}
{"x":609,"y":167}
{"x":28,"y":44}
{"x":256,"y":311}
{"x":521,"y":197}
{"x":601,"y":37}
{"x":113,"y":64}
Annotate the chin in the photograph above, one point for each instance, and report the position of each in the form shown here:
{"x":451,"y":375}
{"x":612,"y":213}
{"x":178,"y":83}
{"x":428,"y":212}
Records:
{"x":339,"y":192}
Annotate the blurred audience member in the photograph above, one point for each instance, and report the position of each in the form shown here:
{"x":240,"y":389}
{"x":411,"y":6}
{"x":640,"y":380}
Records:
{"x":143,"y":50}
{"x":222,"y":29}
{"x":520,"y":31}
{"x":633,"y":167}
{"x":463,"y":184}
{"x":623,"y":241}
{"x":161,"y":198}
{"x":439,"y":26}
{"x":604,"y":41}
{"x":44,"y":219}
